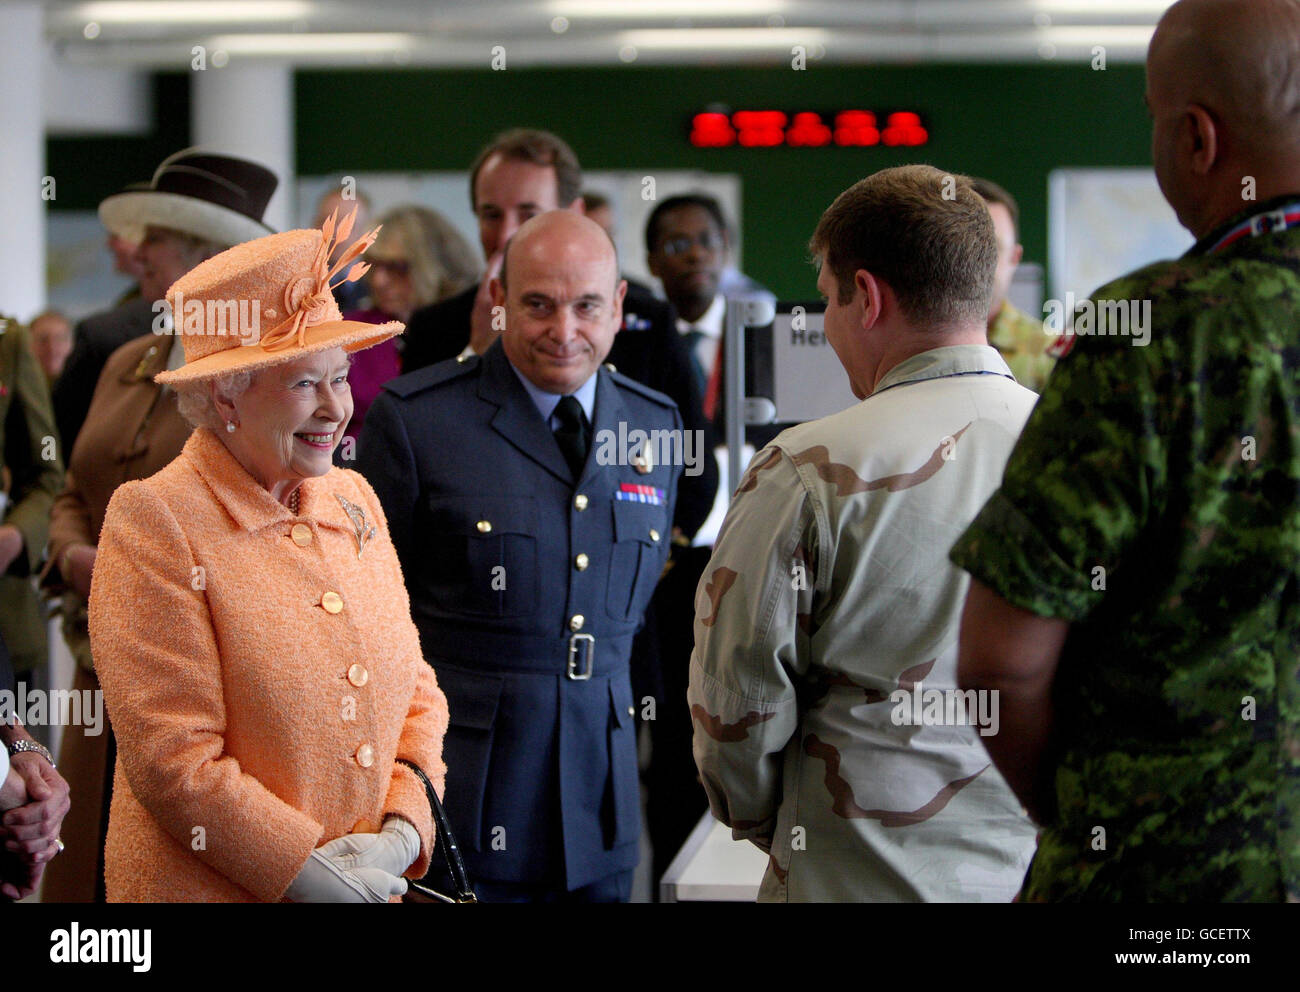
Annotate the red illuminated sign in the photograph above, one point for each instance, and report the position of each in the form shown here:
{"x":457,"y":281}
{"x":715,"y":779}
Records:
{"x":807,"y":129}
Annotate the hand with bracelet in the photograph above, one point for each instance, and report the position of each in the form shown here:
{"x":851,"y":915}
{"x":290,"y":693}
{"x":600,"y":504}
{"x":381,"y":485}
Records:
{"x":30,"y":830}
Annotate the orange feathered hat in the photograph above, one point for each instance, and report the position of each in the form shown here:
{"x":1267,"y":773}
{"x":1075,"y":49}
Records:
{"x":269,"y":301}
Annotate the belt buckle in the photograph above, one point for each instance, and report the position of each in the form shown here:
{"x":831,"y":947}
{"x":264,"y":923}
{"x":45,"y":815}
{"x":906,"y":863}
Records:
{"x":589,"y":651}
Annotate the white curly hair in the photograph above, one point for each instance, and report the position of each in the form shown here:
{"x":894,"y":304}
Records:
{"x":195,"y":402}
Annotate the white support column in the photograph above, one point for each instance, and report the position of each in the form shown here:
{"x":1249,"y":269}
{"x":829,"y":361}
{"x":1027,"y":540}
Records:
{"x":245,"y":108}
{"x":22,"y":162}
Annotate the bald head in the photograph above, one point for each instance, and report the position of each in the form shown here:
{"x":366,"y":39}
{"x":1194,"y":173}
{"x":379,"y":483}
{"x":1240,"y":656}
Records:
{"x":565,"y":229}
{"x":1223,"y":86}
{"x":562,"y":299}
{"x":1240,"y":60}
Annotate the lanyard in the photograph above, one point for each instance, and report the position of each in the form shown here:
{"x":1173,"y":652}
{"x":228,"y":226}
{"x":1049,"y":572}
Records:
{"x":1264,"y":223}
{"x":945,"y":375}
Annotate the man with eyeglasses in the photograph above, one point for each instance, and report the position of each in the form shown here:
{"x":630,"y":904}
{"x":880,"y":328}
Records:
{"x":688,"y":251}
{"x":686,"y":245}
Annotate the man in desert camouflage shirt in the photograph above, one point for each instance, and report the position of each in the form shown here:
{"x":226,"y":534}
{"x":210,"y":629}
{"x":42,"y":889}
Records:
{"x":1137,"y":576}
{"x":826,"y":620}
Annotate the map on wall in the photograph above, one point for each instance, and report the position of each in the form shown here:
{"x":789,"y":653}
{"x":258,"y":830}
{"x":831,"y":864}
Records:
{"x":1103,"y":223}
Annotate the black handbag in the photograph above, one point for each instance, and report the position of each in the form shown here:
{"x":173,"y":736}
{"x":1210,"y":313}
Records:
{"x":455,"y":875}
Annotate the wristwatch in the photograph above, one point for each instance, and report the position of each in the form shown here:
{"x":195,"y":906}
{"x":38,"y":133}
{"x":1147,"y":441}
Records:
{"x":17,"y":747}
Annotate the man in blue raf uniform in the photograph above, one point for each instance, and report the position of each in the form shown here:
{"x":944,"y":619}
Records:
{"x":531,"y":543}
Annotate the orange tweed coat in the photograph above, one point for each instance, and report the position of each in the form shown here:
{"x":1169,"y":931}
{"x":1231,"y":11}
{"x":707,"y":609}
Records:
{"x":260,"y":675}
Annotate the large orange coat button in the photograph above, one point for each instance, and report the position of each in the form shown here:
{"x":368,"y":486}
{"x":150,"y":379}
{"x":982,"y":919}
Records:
{"x":301,"y":535}
{"x":332,"y":602}
{"x":365,"y":756}
{"x":358,"y":675}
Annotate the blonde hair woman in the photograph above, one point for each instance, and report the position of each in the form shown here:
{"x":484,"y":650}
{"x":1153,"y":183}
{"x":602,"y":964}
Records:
{"x":419,"y":258}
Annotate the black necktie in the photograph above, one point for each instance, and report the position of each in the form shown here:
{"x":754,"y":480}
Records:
{"x":571,"y":435}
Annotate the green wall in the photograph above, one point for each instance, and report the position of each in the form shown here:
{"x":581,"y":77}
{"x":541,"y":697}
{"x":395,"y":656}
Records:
{"x":1013,"y":124}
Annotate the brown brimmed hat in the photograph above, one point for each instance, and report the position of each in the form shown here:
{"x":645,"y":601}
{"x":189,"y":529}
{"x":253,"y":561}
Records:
{"x":218,"y":198}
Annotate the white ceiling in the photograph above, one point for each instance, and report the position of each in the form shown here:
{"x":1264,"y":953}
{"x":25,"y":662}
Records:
{"x":467,"y":33}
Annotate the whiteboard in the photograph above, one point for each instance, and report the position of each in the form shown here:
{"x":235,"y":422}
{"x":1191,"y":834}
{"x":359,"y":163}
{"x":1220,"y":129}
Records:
{"x":1104,"y":223}
{"x":807,"y":378}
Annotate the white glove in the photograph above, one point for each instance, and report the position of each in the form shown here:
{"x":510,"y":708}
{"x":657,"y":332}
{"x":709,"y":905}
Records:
{"x":321,"y":880}
{"x":393,"y":850}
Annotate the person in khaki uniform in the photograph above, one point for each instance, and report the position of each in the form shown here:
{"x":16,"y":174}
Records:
{"x":33,"y":475}
{"x":1018,"y":336}
{"x":829,"y":601}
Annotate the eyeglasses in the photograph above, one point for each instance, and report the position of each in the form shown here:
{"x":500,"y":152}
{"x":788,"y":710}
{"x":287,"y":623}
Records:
{"x":681,"y":245}
{"x":394,"y":267}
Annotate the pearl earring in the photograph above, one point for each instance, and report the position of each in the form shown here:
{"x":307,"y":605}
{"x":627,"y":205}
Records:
{"x":230,"y":427}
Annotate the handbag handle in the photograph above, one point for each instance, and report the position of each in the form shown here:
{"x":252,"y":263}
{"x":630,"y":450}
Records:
{"x":446,"y":841}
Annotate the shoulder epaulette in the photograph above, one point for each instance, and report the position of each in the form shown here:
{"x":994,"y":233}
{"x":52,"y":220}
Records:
{"x":432,"y":375}
{"x":641,"y":390}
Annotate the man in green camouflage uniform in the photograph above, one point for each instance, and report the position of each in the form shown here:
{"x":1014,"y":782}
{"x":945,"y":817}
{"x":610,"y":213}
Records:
{"x":1136,"y":593}
{"x":1016,"y":335}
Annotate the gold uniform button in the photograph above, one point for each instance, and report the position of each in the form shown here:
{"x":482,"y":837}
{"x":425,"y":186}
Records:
{"x":654,"y":534}
{"x":581,"y":563}
{"x":576,"y":622}
{"x":358,"y":675}
{"x":332,"y":602}
{"x":580,"y":501}
{"x":301,"y":535}
{"x":484,"y":526}
{"x":364,"y":827}
{"x":365,"y":756}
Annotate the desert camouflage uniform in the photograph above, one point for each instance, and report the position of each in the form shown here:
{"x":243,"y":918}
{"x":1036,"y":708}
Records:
{"x":1175,"y":468}
{"x":1023,"y":345}
{"x":828,"y":590}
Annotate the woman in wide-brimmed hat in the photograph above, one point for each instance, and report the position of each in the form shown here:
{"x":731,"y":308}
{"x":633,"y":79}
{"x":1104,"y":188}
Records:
{"x":198,"y":204}
{"x":248,"y":618}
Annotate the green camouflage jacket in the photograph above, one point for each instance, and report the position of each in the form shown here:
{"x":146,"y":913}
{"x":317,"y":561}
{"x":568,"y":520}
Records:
{"x":1154,"y":502}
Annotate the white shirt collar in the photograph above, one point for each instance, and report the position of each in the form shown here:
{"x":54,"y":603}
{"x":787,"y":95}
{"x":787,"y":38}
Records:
{"x":710,"y":322}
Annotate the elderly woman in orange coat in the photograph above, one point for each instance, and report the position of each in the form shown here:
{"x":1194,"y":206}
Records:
{"x":248,"y":618}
